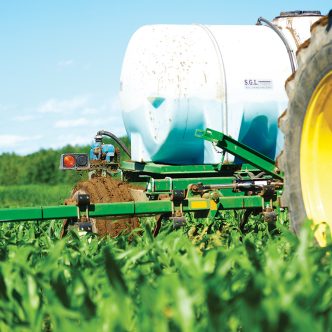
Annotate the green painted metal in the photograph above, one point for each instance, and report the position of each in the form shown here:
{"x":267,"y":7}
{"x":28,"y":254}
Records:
{"x":167,"y":178}
{"x":95,"y":210}
{"x":48,"y":212}
{"x":38,"y":213}
{"x":153,"y":207}
{"x":128,"y":208}
{"x":238,"y":149}
{"x":111,"y":209}
{"x":240,"y":202}
{"x":167,"y":169}
{"x":17,"y":214}
{"x":154,"y":169}
{"x":169,"y":184}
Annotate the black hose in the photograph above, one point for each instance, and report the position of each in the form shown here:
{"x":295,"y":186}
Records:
{"x":282,"y":37}
{"x":116,"y":139}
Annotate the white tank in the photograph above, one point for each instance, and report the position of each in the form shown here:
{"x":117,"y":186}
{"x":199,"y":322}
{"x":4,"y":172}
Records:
{"x":179,"y":78}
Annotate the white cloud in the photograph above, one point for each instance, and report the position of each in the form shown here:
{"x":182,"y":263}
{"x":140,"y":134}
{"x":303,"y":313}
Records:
{"x":80,"y":122}
{"x":7,"y":108}
{"x":65,"y":63}
{"x":61,"y":106}
{"x":71,"y":123}
{"x":111,"y":106}
{"x":58,"y":122}
{"x":23,"y":118}
{"x":72,"y":139}
{"x":11,"y":141}
{"x":90,"y":111}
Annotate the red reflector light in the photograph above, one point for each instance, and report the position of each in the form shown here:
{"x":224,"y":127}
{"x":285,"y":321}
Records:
{"x":69,"y":161}
{"x":74,"y":161}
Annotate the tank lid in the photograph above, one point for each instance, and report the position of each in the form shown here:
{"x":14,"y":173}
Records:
{"x":294,"y":13}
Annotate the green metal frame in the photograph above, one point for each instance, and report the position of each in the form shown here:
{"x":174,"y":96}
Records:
{"x":182,"y":171}
{"x":220,"y":179}
{"x":238,"y":149}
{"x":129,"y":208}
{"x":162,"y":169}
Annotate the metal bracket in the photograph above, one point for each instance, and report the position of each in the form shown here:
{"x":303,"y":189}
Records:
{"x":83,"y":203}
{"x":270,"y":216}
{"x":178,"y":222}
{"x":240,"y":150}
{"x":177,"y":198}
{"x":84,"y":223}
{"x":177,"y":212}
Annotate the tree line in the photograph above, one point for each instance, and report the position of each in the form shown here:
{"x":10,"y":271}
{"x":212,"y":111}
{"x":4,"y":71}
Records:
{"x":41,"y":167}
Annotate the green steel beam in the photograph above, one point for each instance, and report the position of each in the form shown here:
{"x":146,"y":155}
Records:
{"x":38,"y":213}
{"x":17,"y":214}
{"x":95,"y":210}
{"x":240,"y":202}
{"x":238,"y":149}
{"x":165,"y":169}
{"x":183,"y":171}
{"x":57,"y":212}
{"x":169,"y":184}
{"x":128,"y":208}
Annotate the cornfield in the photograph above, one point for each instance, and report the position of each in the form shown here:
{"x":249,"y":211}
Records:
{"x":207,"y":276}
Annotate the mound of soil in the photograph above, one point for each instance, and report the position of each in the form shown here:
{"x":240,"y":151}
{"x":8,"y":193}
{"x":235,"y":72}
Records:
{"x":107,"y":190}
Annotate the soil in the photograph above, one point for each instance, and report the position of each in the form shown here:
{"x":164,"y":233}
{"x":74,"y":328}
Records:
{"x":106,"y":190}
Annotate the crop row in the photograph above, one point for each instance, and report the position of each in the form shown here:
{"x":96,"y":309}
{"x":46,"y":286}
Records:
{"x":208,"y":276}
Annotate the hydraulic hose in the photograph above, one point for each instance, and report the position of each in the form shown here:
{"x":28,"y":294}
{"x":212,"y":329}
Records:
{"x":282,"y":37}
{"x":116,"y":139}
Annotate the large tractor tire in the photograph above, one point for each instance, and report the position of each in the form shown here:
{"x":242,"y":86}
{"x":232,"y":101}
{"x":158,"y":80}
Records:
{"x":105,"y":190}
{"x":307,"y":125}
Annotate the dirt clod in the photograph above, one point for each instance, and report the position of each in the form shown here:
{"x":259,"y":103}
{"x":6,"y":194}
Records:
{"x":107,"y":190}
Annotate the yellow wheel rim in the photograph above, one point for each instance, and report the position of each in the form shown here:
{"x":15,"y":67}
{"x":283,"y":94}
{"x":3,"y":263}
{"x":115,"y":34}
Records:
{"x":316,"y":158}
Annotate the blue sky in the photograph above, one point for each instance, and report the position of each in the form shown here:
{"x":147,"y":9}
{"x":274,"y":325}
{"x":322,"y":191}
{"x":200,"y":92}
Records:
{"x":60,"y":61}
